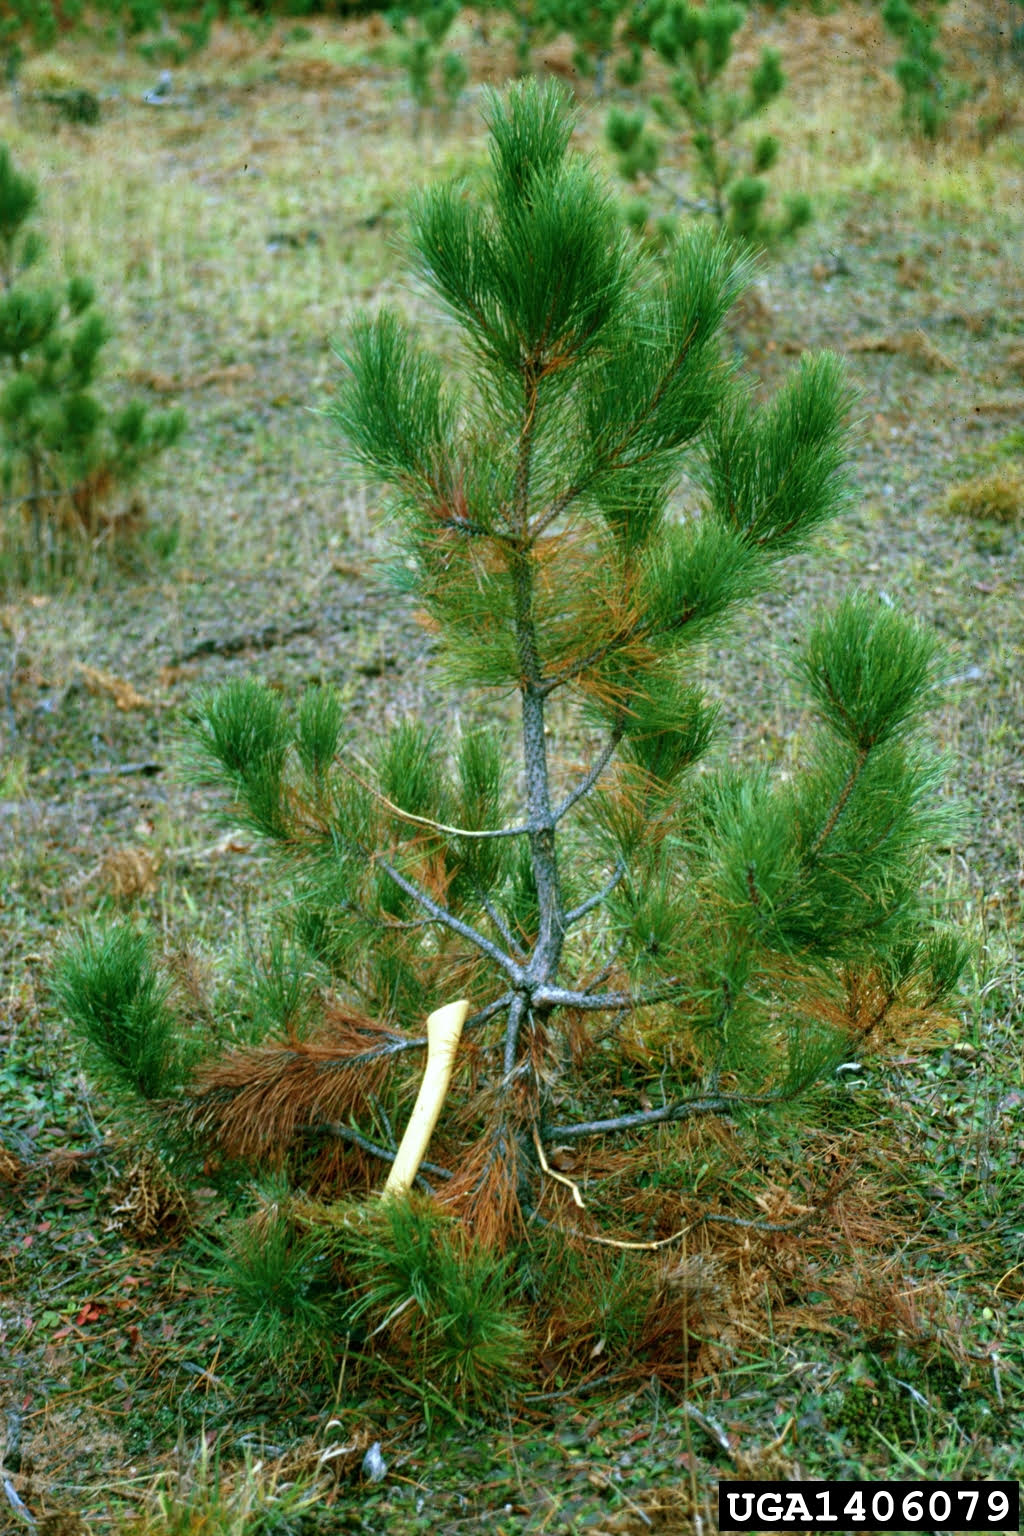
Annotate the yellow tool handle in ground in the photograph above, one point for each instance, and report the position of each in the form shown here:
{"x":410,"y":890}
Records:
{"x":444,"y":1030}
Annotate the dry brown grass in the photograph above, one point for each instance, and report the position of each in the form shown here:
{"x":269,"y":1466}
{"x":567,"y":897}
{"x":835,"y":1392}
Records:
{"x":912,"y":344}
{"x":995,"y":496}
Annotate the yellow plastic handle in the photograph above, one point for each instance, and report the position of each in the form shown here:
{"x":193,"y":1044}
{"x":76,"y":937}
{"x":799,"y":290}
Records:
{"x":444,"y":1030}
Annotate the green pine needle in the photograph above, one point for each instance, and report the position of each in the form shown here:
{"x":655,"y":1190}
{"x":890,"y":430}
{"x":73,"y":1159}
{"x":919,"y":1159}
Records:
{"x":871,"y":671}
{"x":412,"y":1268}
{"x":775,"y":474}
{"x":241,"y":733}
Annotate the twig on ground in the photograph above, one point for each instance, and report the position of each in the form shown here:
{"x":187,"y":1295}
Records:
{"x":713,"y":1430}
{"x":251,"y":640}
{"x":633,"y":1245}
{"x":574,"y":1391}
{"x":760,"y":1226}
{"x":20,"y":1509}
{"x":121,"y":770}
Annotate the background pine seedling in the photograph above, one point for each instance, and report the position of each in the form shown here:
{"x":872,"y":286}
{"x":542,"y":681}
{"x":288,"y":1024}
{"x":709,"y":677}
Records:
{"x":62,"y":452}
{"x":921,"y":69}
{"x":423,"y":27}
{"x":696,"y":42}
{"x":531,"y":26}
{"x":109,"y":983}
{"x":32,"y":21}
{"x":593,"y":26}
{"x":1015,"y":27}
{"x":620,"y":898}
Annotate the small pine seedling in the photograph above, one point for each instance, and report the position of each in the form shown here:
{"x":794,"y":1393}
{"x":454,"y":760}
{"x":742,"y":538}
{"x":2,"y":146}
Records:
{"x":532,"y":25}
{"x":423,"y":26}
{"x":25,"y":21}
{"x":697,"y":43}
{"x":61,"y":451}
{"x":592,"y":25}
{"x":109,"y":984}
{"x":921,"y":69}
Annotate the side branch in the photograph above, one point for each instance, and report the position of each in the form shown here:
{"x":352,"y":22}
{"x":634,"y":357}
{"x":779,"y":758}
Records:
{"x":516,"y":1014}
{"x":575,"y":913}
{"x":614,"y":457}
{"x":574,"y":669}
{"x":587,"y":783}
{"x":583,"y":788}
{"x":841,"y":802}
{"x":682,"y":1109}
{"x":448,"y":919}
{"x":561,"y":504}
{"x":500,"y":924}
{"x":357,"y":1139}
{"x":498,"y":1006}
{"x":403,"y":1043}
{"x":642,"y":630}
{"x":606,"y":1002}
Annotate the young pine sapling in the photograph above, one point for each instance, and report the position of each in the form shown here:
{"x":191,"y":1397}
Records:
{"x":593,"y":26}
{"x":611,"y":894}
{"x":531,"y":25}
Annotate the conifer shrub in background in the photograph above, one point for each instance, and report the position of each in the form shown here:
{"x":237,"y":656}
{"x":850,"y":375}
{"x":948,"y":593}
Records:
{"x":593,"y":26}
{"x":647,"y":934}
{"x":697,"y":43}
{"x":27,"y":25}
{"x":921,"y":69}
{"x":165,"y":32}
{"x":423,"y":26}
{"x":32,"y":21}
{"x":1015,"y":28}
{"x":454,"y":78}
{"x":532,"y":25}
{"x":818,"y":7}
{"x":63,"y":454}
{"x":171,"y":45}
{"x":138,"y":20}
{"x":38,"y":24}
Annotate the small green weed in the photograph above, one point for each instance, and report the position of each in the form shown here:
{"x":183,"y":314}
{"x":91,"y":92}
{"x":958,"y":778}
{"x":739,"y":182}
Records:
{"x":206,"y":1497}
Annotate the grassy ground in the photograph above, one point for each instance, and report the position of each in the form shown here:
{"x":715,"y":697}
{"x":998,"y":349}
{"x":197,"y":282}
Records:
{"x":230,"y":234}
